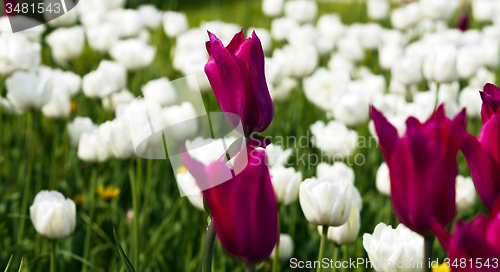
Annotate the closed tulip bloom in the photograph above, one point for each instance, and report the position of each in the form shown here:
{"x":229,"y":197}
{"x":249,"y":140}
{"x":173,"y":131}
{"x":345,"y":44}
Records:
{"x":466,"y":193}
{"x":109,"y":77}
{"x":394,"y":245}
{"x":135,"y":54}
{"x":407,"y":70}
{"x":440,"y":64}
{"x":468,"y":61}
{"x":77,"y":127}
{"x":236,"y":73}
{"x":53,"y":215}
{"x":128,"y":22}
{"x":383,"y":181}
{"x":174,"y":23}
{"x":377,"y":9}
{"x":58,"y":105}
{"x":286,"y":184}
{"x":102,"y":36}
{"x":184,"y":119}
{"x":117,"y":139}
{"x":66,"y":43}
{"x":160,"y":90}
{"x":92,"y":148}
{"x":477,"y":240}
{"x":150,"y":15}
{"x":470,"y":99}
{"x":248,"y":235}
{"x":115,"y":99}
{"x":18,"y":52}
{"x":346,"y":233}
{"x":286,"y":247}
{"x":28,"y":91}
{"x":422,"y":167}
{"x":272,"y":8}
{"x":352,"y":109}
{"x":334,"y":139}
{"x":326,"y":202}
{"x":302,"y":11}
{"x":276,"y":155}
{"x":483,"y":154}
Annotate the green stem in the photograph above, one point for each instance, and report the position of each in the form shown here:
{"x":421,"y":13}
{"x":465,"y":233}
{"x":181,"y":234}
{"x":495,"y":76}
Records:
{"x":88,"y":232}
{"x":208,"y":248}
{"x":135,"y":227}
{"x":250,"y":268}
{"x":53,"y":257}
{"x":335,"y":256}
{"x":322,"y":247}
{"x":53,"y":158}
{"x":428,"y":246}
{"x":276,"y":256}
{"x":30,"y":138}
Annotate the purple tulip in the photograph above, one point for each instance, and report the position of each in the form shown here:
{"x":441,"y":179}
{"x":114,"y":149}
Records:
{"x":236,"y":74}
{"x":483,"y":154}
{"x":422,"y":167}
{"x":244,"y":208}
{"x":478,"y":240}
{"x":463,"y":20}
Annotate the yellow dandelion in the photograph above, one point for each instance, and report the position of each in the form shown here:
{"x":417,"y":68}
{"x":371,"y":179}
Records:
{"x":73,"y":105}
{"x":444,"y":267}
{"x":108,"y":193}
{"x":79,"y":200}
{"x":182,"y":170}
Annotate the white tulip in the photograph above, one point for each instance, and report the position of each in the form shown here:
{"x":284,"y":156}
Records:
{"x":280,"y":27}
{"x":272,"y":8}
{"x":346,"y":233}
{"x":58,"y":105}
{"x":482,"y":10}
{"x":160,"y":90}
{"x":117,"y":139}
{"x":286,"y":183}
{"x":448,"y":92}
{"x":282,"y":91}
{"x":174,"y":23}
{"x":470,"y":99}
{"x":92,"y":148}
{"x":338,"y":63}
{"x":128,"y":22}
{"x":383,"y":180}
{"x":93,"y":18}
{"x":378,"y":9}
{"x":302,"y":11}
{"x":405,"y":17}
{"x":407,"y":70}
{"x":338,"y":170}
{"x":77,"y":127}
{"x":330,"y":27}
{"x":395,"y":37}
{"x":285,"y":247}
{"x":482,"y":77}
{"x":389,"y":54}
{"x":372,"y":36}
{"x":18,"y":53}
{"x":66,"y":43}
{"x":187,"y":186}
{"x":184,"y":119}
{"x":67,"y":19}
{"x":135,"y":54}
{"x":109,"y":77}
{"x":352,"y":109}
{"x":305,"y":34}
{"x":390,"y":104}
{"x":150,"y":15}
{"x":438,"y":9}
{"x":102,"y":36}
{"x":326,"y":202}
{"x":351,"y":49}
{"x":53,"y":215}
{"x":28,"y":91}
{"x":466,"y":193}
{"x":394,"y":245}
{"x":490,"y":53}
{"x":335,"y":139}
{"x":303,"y":59}
{"x":468,"y":61}
{"x":276,"y":155}
{"x":324,"y":86}
{"x":115,"y":99}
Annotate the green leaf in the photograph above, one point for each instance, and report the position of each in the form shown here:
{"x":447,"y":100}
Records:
{"x":126,"y":261}
{"x":21,"y":266}
{"x":8,"y":264}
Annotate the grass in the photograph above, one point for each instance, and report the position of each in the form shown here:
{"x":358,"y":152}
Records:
{"x":171,"y":230}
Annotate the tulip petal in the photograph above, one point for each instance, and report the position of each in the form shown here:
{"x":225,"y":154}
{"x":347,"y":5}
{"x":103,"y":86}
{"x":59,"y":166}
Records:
{"x":480,"y":167}
{"x":442,"y":235}
{"x":492,"y":90}
{"x":387,"y":133}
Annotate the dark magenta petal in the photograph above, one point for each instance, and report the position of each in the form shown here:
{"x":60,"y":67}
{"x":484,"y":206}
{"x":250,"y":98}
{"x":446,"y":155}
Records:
{"x":492,"y":90}
{"x":236,"y":74}
{"x":386,"y":132}
{"x":480,"y":167}
{"x":490,"y":100}
{"x":244,"y":208}
{"x":468,"y":241}
{"x":489,"y":137}
{"x":442,"y":235}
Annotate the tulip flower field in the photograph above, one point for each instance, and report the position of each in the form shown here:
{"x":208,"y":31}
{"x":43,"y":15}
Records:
{"x":252,"y":135}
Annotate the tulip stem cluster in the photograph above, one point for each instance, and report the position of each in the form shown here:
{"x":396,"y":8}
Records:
{"x":208,"y":248}
{"x":428,"y":246}
{"x":322,"y":245}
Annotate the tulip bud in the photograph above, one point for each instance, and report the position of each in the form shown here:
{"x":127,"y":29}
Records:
{"x":346,"y":233}
{"x":53,"y":215}
{"x":66,"y":43}
{"x":326,"y":202}
{"x":286,"y":184}
{"x":286,"y":247}
{"x":400,"y":245}
{"x":117,"y":139}
{"x":92,"y":148}
{"x":174,"y":23}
